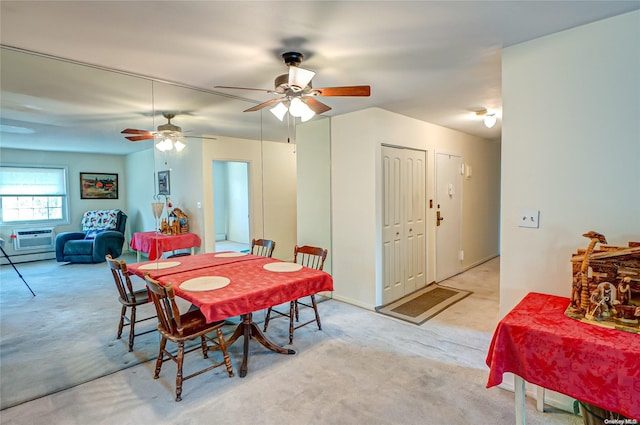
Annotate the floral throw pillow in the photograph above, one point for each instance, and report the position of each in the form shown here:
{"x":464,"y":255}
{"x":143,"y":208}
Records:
{"x":100,"y":219}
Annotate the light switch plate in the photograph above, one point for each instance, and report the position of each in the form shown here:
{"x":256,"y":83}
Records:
{"x":529,"y":218}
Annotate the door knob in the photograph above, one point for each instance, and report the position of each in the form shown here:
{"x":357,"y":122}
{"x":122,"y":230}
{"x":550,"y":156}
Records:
{"x":439,"y":218}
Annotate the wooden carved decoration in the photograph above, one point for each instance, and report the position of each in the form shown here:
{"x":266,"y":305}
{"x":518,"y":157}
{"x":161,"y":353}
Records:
{"x":605,"y":288}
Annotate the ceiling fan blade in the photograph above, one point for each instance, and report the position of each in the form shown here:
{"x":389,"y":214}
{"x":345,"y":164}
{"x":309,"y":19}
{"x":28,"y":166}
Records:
{"x":139,"y":138}
{"x":343,"y":91}
{"x":243,"y":88}
{"x":199,"y":137}
{"x":316,"y":106}
{"x":299,"y":77}
{"x":134,"y":131}
{"x":265,"y":104}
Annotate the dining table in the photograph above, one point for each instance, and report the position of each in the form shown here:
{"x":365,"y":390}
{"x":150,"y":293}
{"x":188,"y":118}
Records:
{"x":229,"y":284}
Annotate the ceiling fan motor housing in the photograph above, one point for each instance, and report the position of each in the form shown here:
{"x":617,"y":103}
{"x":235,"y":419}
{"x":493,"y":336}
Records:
{"x":170,"y":128}
{"x":292,"y":58}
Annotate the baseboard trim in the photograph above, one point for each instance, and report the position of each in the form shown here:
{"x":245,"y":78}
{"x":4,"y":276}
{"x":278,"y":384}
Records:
{"x":353,"y":302}
{"x":477,"y":263}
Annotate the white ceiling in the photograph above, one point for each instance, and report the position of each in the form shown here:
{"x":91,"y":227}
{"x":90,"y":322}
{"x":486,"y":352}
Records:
{"x":437,"y":61}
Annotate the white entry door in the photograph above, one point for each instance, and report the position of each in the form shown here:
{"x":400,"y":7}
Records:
{"x":403,"y":222}
{"x":448,"y":216}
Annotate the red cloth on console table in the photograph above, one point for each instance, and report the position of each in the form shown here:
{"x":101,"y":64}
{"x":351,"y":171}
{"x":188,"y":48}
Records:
{"x":597,"y":365}
{"x":155,"y":244}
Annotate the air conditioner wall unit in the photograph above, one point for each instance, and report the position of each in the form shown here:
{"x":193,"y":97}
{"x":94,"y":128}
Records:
{"x":34,"y":239}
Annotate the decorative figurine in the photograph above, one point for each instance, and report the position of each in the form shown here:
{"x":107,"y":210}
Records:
{"x":605,"y":286}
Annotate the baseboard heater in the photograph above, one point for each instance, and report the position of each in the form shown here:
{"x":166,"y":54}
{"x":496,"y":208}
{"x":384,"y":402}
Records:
{"x":33,"y":239}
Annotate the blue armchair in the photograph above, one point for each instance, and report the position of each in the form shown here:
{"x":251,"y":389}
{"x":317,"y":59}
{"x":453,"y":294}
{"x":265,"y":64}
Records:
{"x":102,"y":234}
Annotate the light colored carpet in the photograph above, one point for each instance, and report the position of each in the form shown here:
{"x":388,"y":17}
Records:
{"x":66,"y":334}
{"x":362,"y":368}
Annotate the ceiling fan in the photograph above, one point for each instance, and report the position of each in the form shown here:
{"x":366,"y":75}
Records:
{"x":297,"y":96}
{"x":167,"y":137}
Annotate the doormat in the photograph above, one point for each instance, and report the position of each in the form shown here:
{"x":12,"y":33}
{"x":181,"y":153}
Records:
{"x":422,"y":305}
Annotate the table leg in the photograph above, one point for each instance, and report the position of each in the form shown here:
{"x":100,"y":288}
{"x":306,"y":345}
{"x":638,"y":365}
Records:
{"x":138,"y":256}
{"x":520,"y":395}
{"x":248,"y":329}
{"x":540,"y":399}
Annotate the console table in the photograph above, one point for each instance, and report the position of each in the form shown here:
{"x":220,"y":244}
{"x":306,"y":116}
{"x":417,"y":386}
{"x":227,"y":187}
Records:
{"x":539,"y":344}
{"x":154,"y":243}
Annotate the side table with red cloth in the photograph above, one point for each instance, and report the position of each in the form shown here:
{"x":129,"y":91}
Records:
{"x":538,"y":343}
{"x":155,"y":244}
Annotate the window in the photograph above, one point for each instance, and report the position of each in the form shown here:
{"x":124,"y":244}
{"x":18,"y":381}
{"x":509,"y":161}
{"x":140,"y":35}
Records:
{"x":33,"y":194}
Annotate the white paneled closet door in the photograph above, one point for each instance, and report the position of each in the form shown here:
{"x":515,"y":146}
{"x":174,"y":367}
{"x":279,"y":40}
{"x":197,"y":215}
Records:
{"x":403,"y":222}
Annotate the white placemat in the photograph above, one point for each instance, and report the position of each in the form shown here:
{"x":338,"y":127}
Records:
{"x":204,"y":283}
{"x":231,"y":254}
{"x":282,"y":267}
{"x":159,"y":266}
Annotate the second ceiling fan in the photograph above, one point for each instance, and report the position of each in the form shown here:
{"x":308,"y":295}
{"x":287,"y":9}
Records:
{"x":297,"y":96}
{"x":168,"y":136}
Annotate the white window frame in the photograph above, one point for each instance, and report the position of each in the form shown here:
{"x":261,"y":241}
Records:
{"x":64,"y":196}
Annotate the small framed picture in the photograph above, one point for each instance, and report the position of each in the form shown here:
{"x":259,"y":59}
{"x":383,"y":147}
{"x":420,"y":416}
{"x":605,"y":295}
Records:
{"x":164,"y":183}
{"x":98,"y":186}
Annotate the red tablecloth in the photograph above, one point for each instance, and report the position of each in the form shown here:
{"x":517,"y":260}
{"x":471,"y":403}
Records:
{"x":537,"y":342}
{"x":252,"y":288}
{"x":155,"y":244}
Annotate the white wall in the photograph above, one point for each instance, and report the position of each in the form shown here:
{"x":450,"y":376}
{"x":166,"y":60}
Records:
{"x":356,"y":141}
{"x":238,"y":187}
{"x":313,"y":152}
{"x":141,"y":186}
{"x":570,"y":148}
{"x":279,"y":188}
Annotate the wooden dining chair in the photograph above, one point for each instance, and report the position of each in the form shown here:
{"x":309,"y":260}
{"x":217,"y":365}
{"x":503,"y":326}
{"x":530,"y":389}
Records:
{"x":263,"y":247}
{"x":180,"y":327}
{"x":312,"y":257}
{"x":129,"y":299}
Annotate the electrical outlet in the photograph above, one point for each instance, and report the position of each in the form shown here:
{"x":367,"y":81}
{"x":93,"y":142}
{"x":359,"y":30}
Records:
{"x":529,"y":218}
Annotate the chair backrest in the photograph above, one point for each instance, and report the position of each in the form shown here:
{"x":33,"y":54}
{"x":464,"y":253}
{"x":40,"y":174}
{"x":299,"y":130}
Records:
{"x":121,"y":278}
{"x":166,"y":308}
{"x":310,"y":256}
{"x":263,"y":247}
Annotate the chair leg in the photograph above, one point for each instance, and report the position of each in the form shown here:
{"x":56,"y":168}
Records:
{"x":205,"y":349}
{"x":123,"y":313}
{"x":132,"y":328}
{"x":163,"y":344}
{"x":292,"y":312}
{"x":297,"y":311}
{"x":180,"y":359}
{"x":266,"y":320}
{"x":223,"y":347}
{"x":315,"y":310}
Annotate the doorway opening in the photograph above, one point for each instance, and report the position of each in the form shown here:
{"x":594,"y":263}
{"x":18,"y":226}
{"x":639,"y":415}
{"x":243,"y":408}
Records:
{"x":231,"y":206}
